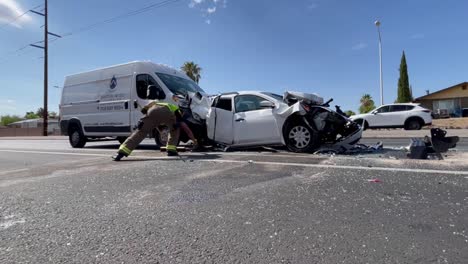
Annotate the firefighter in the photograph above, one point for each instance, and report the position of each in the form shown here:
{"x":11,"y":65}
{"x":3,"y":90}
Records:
{"x":155,"y":114}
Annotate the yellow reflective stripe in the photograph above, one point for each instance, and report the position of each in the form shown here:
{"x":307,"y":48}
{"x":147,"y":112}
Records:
{"x":125,"y":150}
{"x":173,"y":108}
{"x":171,"y":147}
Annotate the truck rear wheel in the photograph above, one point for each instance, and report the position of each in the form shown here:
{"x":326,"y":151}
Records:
{"x":76,"y":137}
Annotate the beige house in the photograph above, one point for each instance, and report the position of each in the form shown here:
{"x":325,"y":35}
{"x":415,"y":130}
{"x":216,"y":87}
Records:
{"x":451,"y":101}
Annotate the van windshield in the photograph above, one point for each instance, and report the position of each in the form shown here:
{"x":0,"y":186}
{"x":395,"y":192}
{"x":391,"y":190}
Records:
{"x":179,"y":85}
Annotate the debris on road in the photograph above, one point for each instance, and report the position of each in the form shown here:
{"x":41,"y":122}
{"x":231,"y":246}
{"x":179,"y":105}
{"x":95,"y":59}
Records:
{"x":437,"y":144}
{"x":374,"y":180}
{"x":350,"y":149}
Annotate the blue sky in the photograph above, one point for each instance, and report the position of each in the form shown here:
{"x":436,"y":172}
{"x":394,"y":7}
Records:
{"x":329,"y":47}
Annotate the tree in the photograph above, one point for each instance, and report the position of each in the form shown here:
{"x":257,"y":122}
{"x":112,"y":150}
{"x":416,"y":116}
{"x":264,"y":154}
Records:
{"x":53,"y":115}
{"x":31,"y":115}
{"x":350,"y":113}
{"x":40,"y":112}
{"x":192,"y":70}
{"x":404,"y":92}
{"x":8,"y":119}
{"x":367,"y":104}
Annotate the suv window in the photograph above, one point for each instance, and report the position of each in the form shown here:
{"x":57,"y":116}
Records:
{"x":399,"y":108}
{"x":383,"y":109}
{"x":245,"y":103}
{"x":142,"y":82}
{"x":223,"y":103}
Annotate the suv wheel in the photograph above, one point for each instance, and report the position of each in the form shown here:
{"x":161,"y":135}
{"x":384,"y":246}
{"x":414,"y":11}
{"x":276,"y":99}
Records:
{"x":300,"y":138}
{"x":76,"y":137}
{"x":413,"y":124}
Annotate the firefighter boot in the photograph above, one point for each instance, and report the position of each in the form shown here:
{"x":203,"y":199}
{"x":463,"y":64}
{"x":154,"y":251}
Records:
{"x":172,"y":153}
{"x":118,"y":156}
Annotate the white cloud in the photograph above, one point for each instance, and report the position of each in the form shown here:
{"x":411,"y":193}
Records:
{"x":312,"y":6}
{"x":9,"y":10}
{"x":194,"y":3}
{"x":359,"y":46}
{"x":208,"y":8}
{"x":211,"y":10}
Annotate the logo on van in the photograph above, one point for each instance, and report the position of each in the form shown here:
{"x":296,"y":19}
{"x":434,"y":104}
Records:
{"x":113,"y":82}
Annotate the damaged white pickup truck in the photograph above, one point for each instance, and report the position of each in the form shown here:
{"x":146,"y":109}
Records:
{"x":301,"y":122}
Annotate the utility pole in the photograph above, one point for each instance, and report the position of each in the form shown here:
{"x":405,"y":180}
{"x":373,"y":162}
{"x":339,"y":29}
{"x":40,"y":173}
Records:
{"x":46,"y":66}
{"x":45,"y":116}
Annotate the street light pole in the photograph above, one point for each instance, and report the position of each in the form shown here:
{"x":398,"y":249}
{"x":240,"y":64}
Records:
{"x":377,"y":23}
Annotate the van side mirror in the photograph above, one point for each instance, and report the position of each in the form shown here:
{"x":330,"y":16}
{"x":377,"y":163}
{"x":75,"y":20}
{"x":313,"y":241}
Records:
{"x":267,"y":104}
{"x":155,"y":93}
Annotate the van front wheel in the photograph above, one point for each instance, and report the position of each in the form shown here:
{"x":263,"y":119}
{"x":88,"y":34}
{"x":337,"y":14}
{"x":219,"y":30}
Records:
{"x":76,"y":137}
{"x":160,"y":136}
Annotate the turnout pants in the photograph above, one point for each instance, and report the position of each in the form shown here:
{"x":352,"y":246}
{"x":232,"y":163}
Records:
{"x":157,"y":115}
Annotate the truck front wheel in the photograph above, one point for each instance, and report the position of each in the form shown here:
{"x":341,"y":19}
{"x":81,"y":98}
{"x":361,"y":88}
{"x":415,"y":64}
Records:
{"x":76,"y":137}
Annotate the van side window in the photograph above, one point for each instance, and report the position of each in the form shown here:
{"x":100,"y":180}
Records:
{"x":142,"y":82}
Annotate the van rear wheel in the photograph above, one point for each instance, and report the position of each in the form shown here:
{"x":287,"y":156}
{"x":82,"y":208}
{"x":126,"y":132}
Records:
{"x":76,"y":137}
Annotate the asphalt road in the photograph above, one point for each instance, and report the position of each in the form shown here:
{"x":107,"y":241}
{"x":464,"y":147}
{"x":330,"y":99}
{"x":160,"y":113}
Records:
{"x":62,"y":205}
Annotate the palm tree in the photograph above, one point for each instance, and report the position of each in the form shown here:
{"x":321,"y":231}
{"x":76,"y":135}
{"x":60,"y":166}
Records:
{"x":367,"y":104}
{"x":192,"y":70}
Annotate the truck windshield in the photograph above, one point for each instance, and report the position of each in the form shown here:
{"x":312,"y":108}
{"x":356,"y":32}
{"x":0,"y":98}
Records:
{"x":179,"y":85}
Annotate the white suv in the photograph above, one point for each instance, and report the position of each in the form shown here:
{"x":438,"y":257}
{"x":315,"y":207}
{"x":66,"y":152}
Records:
{"x":407,"y":116}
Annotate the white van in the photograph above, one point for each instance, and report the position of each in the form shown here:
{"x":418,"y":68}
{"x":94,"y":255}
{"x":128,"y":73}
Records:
{"x":107,"y":102}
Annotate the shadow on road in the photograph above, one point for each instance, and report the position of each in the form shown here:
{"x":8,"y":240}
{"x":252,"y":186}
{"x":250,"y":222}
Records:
{"x":116,"y":146}
{"x":182,"y":157}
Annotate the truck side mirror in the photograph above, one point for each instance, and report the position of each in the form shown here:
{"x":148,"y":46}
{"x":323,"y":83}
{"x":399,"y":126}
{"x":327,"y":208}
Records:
{"x":155,"y":93}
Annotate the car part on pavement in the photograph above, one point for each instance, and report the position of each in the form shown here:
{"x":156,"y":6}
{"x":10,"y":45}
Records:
{"x":351,"y":149}
{"x":437,"y":144}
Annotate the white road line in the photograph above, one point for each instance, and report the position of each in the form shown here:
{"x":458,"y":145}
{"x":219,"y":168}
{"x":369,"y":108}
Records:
{"x":12,"y":171}
{"x":342,"y":167}
{"x":54,"y":153}
{"x":321,"y":166}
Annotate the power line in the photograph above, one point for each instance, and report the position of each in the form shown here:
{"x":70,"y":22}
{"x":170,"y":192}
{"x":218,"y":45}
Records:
{"x":18,"y":17}
{"x":121,"y":16}
{"x":89,"y":27}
